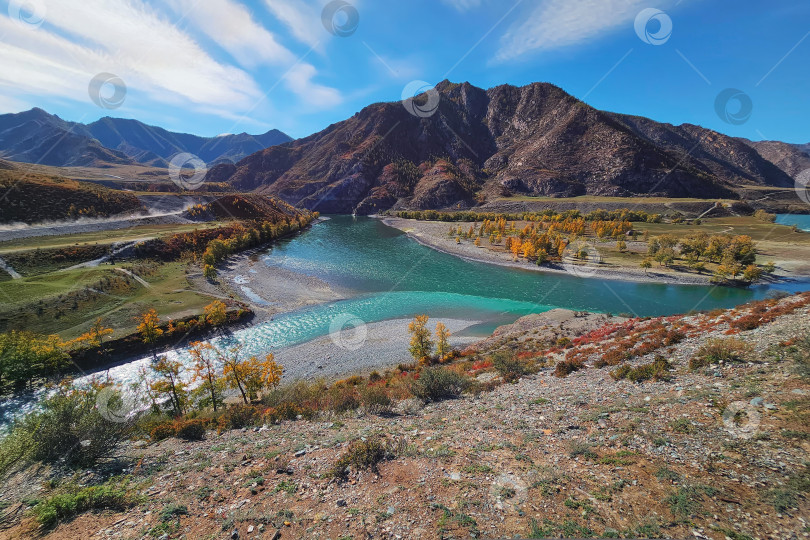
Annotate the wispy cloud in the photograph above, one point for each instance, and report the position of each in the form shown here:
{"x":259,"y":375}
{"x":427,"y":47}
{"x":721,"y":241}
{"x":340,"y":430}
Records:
{"x":233,"y":28}
{"x":560,"y":23}
{"x":230,"y":25}
{"x":299,"y":80}
{"x":463,"y":5}
{"x":153,"y":53}
{"x":127,"y":38}
{"x":302,"y":18}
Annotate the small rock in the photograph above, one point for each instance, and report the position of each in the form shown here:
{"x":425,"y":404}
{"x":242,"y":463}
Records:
{"x":235,"y":534}
{"x":300,"y":453}
{"x":757,"y":401}
{"x":250,"y":529}
{"x":341,"y":503}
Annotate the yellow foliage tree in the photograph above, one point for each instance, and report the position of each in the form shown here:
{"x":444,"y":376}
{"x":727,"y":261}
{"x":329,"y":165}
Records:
{"x":421,"y":345}
{"x":149,"y":329}
{"x":216,"y":313}
{"x":205,"y":369}
{"x":260,"y":374}
{"x":442,"y":341}
{"x":168,"y":382}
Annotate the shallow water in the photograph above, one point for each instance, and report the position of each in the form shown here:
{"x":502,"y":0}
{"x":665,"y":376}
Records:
{"x":396,"y":277}
{"x":802,"y":221}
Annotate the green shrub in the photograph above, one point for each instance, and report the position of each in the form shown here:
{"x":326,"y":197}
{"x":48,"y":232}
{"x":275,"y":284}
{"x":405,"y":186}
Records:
{"x":238,"y":417}
{"x":438,"y":383}
{"x":190,"y":430}
{"x":69,"y":427}
{"x":657,"y":371}
{"x":375,"y":400}
{"x":363,"y":455}
{"x":74,"y":500}
{"x":567,"y":367}
{"x":343,"y":398}
{"x":509,"y":367}
{"x":717,"y":351}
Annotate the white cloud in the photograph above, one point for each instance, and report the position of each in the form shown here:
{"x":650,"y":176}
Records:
{"x":560,"y":23}
{"x":299,"y":80}
{"x":124,"y":38}
{"x":140,"y":45}
{"x":233,"y":28}
{"x":303,"y":19}
{"x":463,"y":5}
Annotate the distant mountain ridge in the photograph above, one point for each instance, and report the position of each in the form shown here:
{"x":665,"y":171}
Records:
{"x":36,"y":136}
{"x":482,"y":144}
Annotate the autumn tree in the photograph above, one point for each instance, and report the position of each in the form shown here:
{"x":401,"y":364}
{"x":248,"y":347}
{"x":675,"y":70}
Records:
{"x":235,"y":369}
{"x":255,"y":374}
{"x":149,"y":329}
{"x":216,"y":313}
{"x":752,"y":273}
{"x":205,"y":370}
{"x":442,"y":340}
{"x":646,"y":264}
{"x":621,"y":245}
{"x":167,"y":382}
{"x":421,"y":345}
{"x":95,"y":337}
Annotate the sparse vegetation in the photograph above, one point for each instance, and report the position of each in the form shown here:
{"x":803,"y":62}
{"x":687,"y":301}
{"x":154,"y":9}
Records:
{"x":438,"y":383}
{"x":719,"y":351}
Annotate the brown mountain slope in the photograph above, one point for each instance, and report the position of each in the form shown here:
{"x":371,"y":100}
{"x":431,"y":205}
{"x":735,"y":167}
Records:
{"x":33,"y":198}
{"x":533,"y":140}
{"x":791,"y":158}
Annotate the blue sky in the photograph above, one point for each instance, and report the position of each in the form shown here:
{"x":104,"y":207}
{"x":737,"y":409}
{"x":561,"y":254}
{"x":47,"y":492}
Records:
{"x":227,"y":66}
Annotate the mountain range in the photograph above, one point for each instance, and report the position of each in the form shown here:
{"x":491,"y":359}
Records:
{"x":482,"y":144}
{"x":36,"y":136}
{"x":454,"y":147}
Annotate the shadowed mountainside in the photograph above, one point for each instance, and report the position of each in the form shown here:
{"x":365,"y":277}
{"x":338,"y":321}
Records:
{"x":36,"y":136}
{"x":482,"y":144}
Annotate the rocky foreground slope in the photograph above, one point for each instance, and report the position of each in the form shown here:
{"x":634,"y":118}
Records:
{"x":716,"y":450}
{"x":459,"y":145}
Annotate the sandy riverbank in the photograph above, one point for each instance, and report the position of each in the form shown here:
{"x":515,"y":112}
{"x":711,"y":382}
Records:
{"x":375,"y":346}
{"x":271,"y":290}
{"x":433,"y":234}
